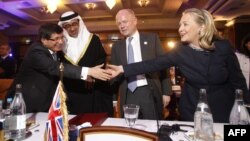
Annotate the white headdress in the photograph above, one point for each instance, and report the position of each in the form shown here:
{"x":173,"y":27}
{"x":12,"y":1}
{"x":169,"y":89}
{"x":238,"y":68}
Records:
{"x":75,"y":45}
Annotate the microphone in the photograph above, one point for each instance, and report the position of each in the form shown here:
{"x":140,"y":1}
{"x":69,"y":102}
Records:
{"x":156,"y":112}
{"x":163,"y":136}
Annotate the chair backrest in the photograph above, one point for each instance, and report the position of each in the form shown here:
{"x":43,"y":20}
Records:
{"x":114,"y":133}
{"x":4,"y":87}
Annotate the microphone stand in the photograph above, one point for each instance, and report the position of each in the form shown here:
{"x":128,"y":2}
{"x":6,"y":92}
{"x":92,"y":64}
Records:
{"x":61,"y":68}
{"x":160,"y":130}
{"x":156,"y":112}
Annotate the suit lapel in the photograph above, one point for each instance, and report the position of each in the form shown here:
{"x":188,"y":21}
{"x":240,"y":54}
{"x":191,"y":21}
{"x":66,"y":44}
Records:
{"x":123,"y":52}
{"x":144,"y":47}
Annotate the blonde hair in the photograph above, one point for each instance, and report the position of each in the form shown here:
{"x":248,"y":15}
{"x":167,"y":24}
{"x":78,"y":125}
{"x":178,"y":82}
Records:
{"x":203,"y":17}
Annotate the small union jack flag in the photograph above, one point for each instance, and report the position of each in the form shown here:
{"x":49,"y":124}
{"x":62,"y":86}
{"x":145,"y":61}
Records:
{"x":54,"y":125}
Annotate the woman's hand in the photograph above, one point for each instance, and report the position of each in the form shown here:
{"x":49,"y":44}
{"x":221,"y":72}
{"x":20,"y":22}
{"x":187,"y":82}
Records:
{"x":165,"y":100}
{"x":114,"y":70}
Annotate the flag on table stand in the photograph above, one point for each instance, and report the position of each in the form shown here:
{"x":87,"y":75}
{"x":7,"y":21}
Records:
{"x":57,"y":123}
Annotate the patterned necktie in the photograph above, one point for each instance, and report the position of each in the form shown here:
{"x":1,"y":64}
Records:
{"x":54,"y":56}
{"x":132,"y":79}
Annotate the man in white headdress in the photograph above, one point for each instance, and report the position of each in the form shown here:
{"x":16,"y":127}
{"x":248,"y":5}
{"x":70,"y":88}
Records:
{"x":84,"y":49}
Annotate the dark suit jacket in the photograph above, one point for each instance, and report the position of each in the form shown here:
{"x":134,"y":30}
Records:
{"x":9,"y":66}
{"x":38,"y":75}
{"x":217,"y":71}
{"x":150,"y":48}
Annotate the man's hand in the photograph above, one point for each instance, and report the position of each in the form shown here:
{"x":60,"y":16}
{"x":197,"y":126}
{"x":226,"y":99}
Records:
{"x":89,"y":82}
{"x":99,"y":73}
{"x":165,"y":100}
{"x":114,"y":70}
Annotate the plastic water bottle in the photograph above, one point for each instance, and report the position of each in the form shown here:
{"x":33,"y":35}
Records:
{"x":7,"y":110}
{"x":9,"y":100}
{"x":239,"y":113}
{"x":203,"y":120}
{"x":15,"y":123}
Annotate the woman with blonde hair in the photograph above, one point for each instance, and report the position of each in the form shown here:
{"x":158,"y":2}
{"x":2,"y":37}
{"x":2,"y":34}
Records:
{"x":206,"y":61}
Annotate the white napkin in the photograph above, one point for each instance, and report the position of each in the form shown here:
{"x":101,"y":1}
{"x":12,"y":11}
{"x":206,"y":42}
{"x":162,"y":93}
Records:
{"x":84,"y":125}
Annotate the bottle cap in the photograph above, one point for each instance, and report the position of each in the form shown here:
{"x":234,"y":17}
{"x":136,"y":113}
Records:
{"x":238,"y":91}
{"x":9,"y":99}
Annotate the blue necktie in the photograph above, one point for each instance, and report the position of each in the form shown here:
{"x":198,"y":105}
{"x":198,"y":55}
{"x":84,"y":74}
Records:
{"x":132,"y":79}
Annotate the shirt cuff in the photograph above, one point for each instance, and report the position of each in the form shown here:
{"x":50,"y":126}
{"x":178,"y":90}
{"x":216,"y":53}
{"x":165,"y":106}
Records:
{"x":84,"y":73}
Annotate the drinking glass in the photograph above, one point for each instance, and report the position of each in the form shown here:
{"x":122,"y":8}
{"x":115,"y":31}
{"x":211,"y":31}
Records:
{"x":131,"y":113}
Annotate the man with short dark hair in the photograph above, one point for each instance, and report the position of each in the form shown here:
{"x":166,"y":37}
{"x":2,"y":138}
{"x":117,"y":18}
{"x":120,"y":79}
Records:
{"x":39,"y":72}
{"x":7,"y":62}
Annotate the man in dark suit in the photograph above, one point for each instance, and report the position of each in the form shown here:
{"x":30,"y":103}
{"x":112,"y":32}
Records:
{"x":7,"y":63}
{"x":39,"y":71}
{"x":152,"y":89}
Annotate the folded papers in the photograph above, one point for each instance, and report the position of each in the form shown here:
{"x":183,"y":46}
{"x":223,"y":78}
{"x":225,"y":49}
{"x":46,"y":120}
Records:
{"x":93,"y":119}
{"x":84,"y":125}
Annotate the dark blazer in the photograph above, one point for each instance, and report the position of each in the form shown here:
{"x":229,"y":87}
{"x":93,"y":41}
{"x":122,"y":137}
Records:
{"x":38,"y":75}
{"x":150,"y":48}
{"x":217,"y":71}
{"x":9,"y":66}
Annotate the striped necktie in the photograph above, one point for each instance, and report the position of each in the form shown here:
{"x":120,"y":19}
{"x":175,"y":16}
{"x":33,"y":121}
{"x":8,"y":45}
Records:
{"x":54,"y":56}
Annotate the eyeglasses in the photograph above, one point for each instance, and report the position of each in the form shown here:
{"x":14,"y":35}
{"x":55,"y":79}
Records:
{"x":73,"y":24}
{"x":59,"y":39}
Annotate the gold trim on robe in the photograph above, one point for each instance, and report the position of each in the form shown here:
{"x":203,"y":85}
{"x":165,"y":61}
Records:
{"x":82,"y":53}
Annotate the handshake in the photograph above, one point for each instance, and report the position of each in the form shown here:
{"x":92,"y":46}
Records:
{"x":105,"y":74}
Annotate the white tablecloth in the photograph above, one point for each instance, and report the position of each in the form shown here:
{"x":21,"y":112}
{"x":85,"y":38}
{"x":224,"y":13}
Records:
{"x":38,"y":132}
{"x":147,"y":125}
{"x":151,"y":126}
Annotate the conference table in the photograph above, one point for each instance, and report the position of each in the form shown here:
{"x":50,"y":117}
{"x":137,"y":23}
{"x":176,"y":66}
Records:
{"x":146,"y":125}
{"x":151,"y":126}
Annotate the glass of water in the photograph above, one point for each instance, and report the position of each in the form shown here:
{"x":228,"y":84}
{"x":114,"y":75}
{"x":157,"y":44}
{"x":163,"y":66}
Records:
{"x":131,"y":113}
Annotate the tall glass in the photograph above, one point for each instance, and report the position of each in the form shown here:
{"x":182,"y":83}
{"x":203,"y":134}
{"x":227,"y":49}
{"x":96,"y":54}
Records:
{"x":131,"y":113}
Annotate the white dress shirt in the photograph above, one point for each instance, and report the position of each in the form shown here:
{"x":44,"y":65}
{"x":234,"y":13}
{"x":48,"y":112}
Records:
{"x":244,"y":65}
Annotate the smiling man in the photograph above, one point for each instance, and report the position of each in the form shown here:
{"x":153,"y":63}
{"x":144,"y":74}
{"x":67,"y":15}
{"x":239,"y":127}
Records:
{"x":39,"y":72}
{"x":84,"y":49}
{"x":152,"y":90}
